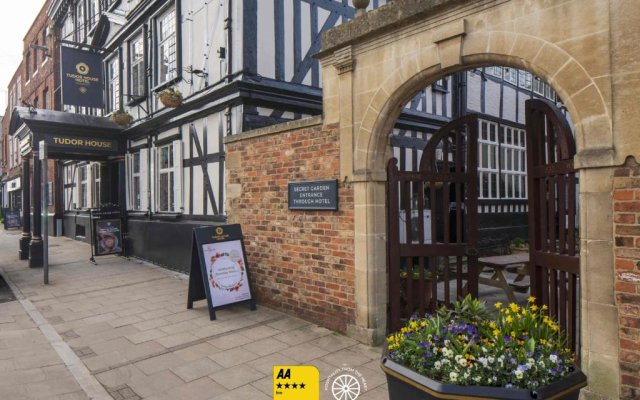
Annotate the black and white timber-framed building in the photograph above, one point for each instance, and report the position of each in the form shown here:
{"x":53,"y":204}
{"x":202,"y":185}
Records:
{"x":242,"y":65}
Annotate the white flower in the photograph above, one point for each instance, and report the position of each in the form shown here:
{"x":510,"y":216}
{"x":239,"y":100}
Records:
{"x":531,"y":362}
{"x":465,"y":375}
{"x":437,"y":364}
{"x":477,"y":378}
{"x":453,"y":376}
{"x":462,"y":362}
{"x":519,"y":374}
{"x":553,"y":358}
{"x":491,"y":359}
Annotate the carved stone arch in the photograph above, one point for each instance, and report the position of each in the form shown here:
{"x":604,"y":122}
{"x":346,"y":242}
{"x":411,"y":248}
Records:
{"x":580,"y":93}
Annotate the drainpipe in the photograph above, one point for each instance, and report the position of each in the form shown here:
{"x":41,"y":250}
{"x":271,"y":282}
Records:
{"x":227,"y":26}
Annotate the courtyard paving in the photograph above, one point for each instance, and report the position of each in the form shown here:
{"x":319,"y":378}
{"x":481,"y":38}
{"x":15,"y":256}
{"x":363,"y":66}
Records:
{"x":121,"y":330}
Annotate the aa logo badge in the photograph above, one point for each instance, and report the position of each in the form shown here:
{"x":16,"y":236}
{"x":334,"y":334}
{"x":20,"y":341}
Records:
{"x":296,"y":382}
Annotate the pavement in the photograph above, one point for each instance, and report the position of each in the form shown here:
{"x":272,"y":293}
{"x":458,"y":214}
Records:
{"x":121,"y":330}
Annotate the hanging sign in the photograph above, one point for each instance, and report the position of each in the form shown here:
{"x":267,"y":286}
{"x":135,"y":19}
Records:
{"x":81,"y":75}
{"x":219,"y":270}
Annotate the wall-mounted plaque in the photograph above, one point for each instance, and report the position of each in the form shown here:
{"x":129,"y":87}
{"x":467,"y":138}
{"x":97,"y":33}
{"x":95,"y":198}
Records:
{"x":317,"y":195}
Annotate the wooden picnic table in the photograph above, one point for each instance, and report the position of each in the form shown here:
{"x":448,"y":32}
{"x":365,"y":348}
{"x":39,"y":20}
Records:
{"x":500,"y":264}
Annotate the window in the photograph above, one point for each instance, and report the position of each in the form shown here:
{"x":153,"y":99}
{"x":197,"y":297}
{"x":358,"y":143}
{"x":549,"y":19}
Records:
{"x":67,"y":28}
{"x":83,"y":194}
{"x":45,"y":99}
{"x":136,"y":167}
{"x":93,"y":12}
{"x":166,"y":48}
{"x":45,"y":34}
{"x":524,"y":80}
{"x":27,"y":65}
{"x":169,"y":177}
{"x":488,"y":169}
{"x":95,"y":172}
{"x":495,"y":71}
{"x":136,"y":55}
{"x":113,"y":79}
{"x":35,"y":57}
{"x":514,"y":164}
{"x":80,"y":27}
{"x":538,"y":86}
{"x":511,"y":75}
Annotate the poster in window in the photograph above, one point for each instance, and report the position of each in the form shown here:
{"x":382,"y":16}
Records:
{"x":108,"y":238}
{"x":226,"y":272}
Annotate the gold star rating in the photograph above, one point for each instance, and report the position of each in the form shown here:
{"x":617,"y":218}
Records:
{"x":299,"y":382}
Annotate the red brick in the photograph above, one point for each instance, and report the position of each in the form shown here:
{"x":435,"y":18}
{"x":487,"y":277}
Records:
{"x":624,"y":241}
{"x":624,"y":218}
{"x":629,"y":345}
{"x":629,"y":206}
{"x":305,"y":257}
{"x":623,"y":195}
{"x":625,"y":264}
{"x":626,"y":287}
{"x":630,"y":322}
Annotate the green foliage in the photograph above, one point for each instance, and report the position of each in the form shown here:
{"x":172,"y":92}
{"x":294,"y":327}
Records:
{"x":522,"y":347}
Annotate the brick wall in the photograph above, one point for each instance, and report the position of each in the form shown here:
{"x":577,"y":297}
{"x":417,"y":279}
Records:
{"x":301,"y":261}
{"x":626,"y":198}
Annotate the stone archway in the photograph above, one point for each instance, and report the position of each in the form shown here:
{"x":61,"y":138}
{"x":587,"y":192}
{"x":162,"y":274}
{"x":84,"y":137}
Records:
{"x":371,"y":71}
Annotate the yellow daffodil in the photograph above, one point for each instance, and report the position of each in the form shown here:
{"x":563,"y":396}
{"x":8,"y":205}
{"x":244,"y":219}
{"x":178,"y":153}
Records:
{"x":498,"y":305}
{"x":531,"y":299}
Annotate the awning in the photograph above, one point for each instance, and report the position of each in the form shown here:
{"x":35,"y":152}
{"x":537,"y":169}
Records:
{"x":68,"y":135}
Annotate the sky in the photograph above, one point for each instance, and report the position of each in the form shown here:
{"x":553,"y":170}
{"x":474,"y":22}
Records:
{"x":16,"y":18}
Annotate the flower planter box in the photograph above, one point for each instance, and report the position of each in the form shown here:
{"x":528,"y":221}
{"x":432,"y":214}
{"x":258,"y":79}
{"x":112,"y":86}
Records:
{"x":404,"y":383}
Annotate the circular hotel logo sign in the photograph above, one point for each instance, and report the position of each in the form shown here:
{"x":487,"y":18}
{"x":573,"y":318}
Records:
{"x":82,"y":68}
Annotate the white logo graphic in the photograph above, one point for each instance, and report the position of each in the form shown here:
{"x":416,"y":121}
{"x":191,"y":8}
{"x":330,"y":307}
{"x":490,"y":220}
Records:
{"x":346,"y":384}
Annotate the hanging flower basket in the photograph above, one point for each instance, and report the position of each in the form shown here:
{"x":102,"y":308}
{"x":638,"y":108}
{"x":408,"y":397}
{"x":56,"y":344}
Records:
{"x":171,"y":97}
{"x":121,"y":117}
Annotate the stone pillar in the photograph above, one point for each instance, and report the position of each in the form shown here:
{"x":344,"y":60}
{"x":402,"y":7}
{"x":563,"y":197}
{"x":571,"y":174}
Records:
{"x":25,"y":239}
{"x":35,"y":247}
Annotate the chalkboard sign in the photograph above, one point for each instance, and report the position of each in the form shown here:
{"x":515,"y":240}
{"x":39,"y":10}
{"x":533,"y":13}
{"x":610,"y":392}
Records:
{"x":219,"y":270}
{"x":318,"y":195}
{"x":12,"y":219}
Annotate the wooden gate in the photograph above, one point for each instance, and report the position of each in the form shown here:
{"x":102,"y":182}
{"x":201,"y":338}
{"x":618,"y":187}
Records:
{"x":432,"y":224}
{"x":553,"y":230}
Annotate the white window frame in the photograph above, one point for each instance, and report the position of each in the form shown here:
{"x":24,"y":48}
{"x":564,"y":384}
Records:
{"x":488,"y":166}
{"x":95,"y":185}
{"x":538,"y":86}
{"x":524,"y":79}
{"x":167,"y":43}
{"x":514,"y":163}
{"x":83,"y":186}
{"x":511,"y":75}
{"x":173,"y":171}
{"x":140,"y":203}
{"x":494,"y":71}
{"x":113,"y":84}
{"x":137,"y":66}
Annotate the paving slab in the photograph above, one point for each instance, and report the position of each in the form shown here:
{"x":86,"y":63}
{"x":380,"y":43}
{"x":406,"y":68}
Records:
{"x":120,"y":330}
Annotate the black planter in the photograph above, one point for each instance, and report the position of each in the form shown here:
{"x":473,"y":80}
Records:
{"x":404,"y":384}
